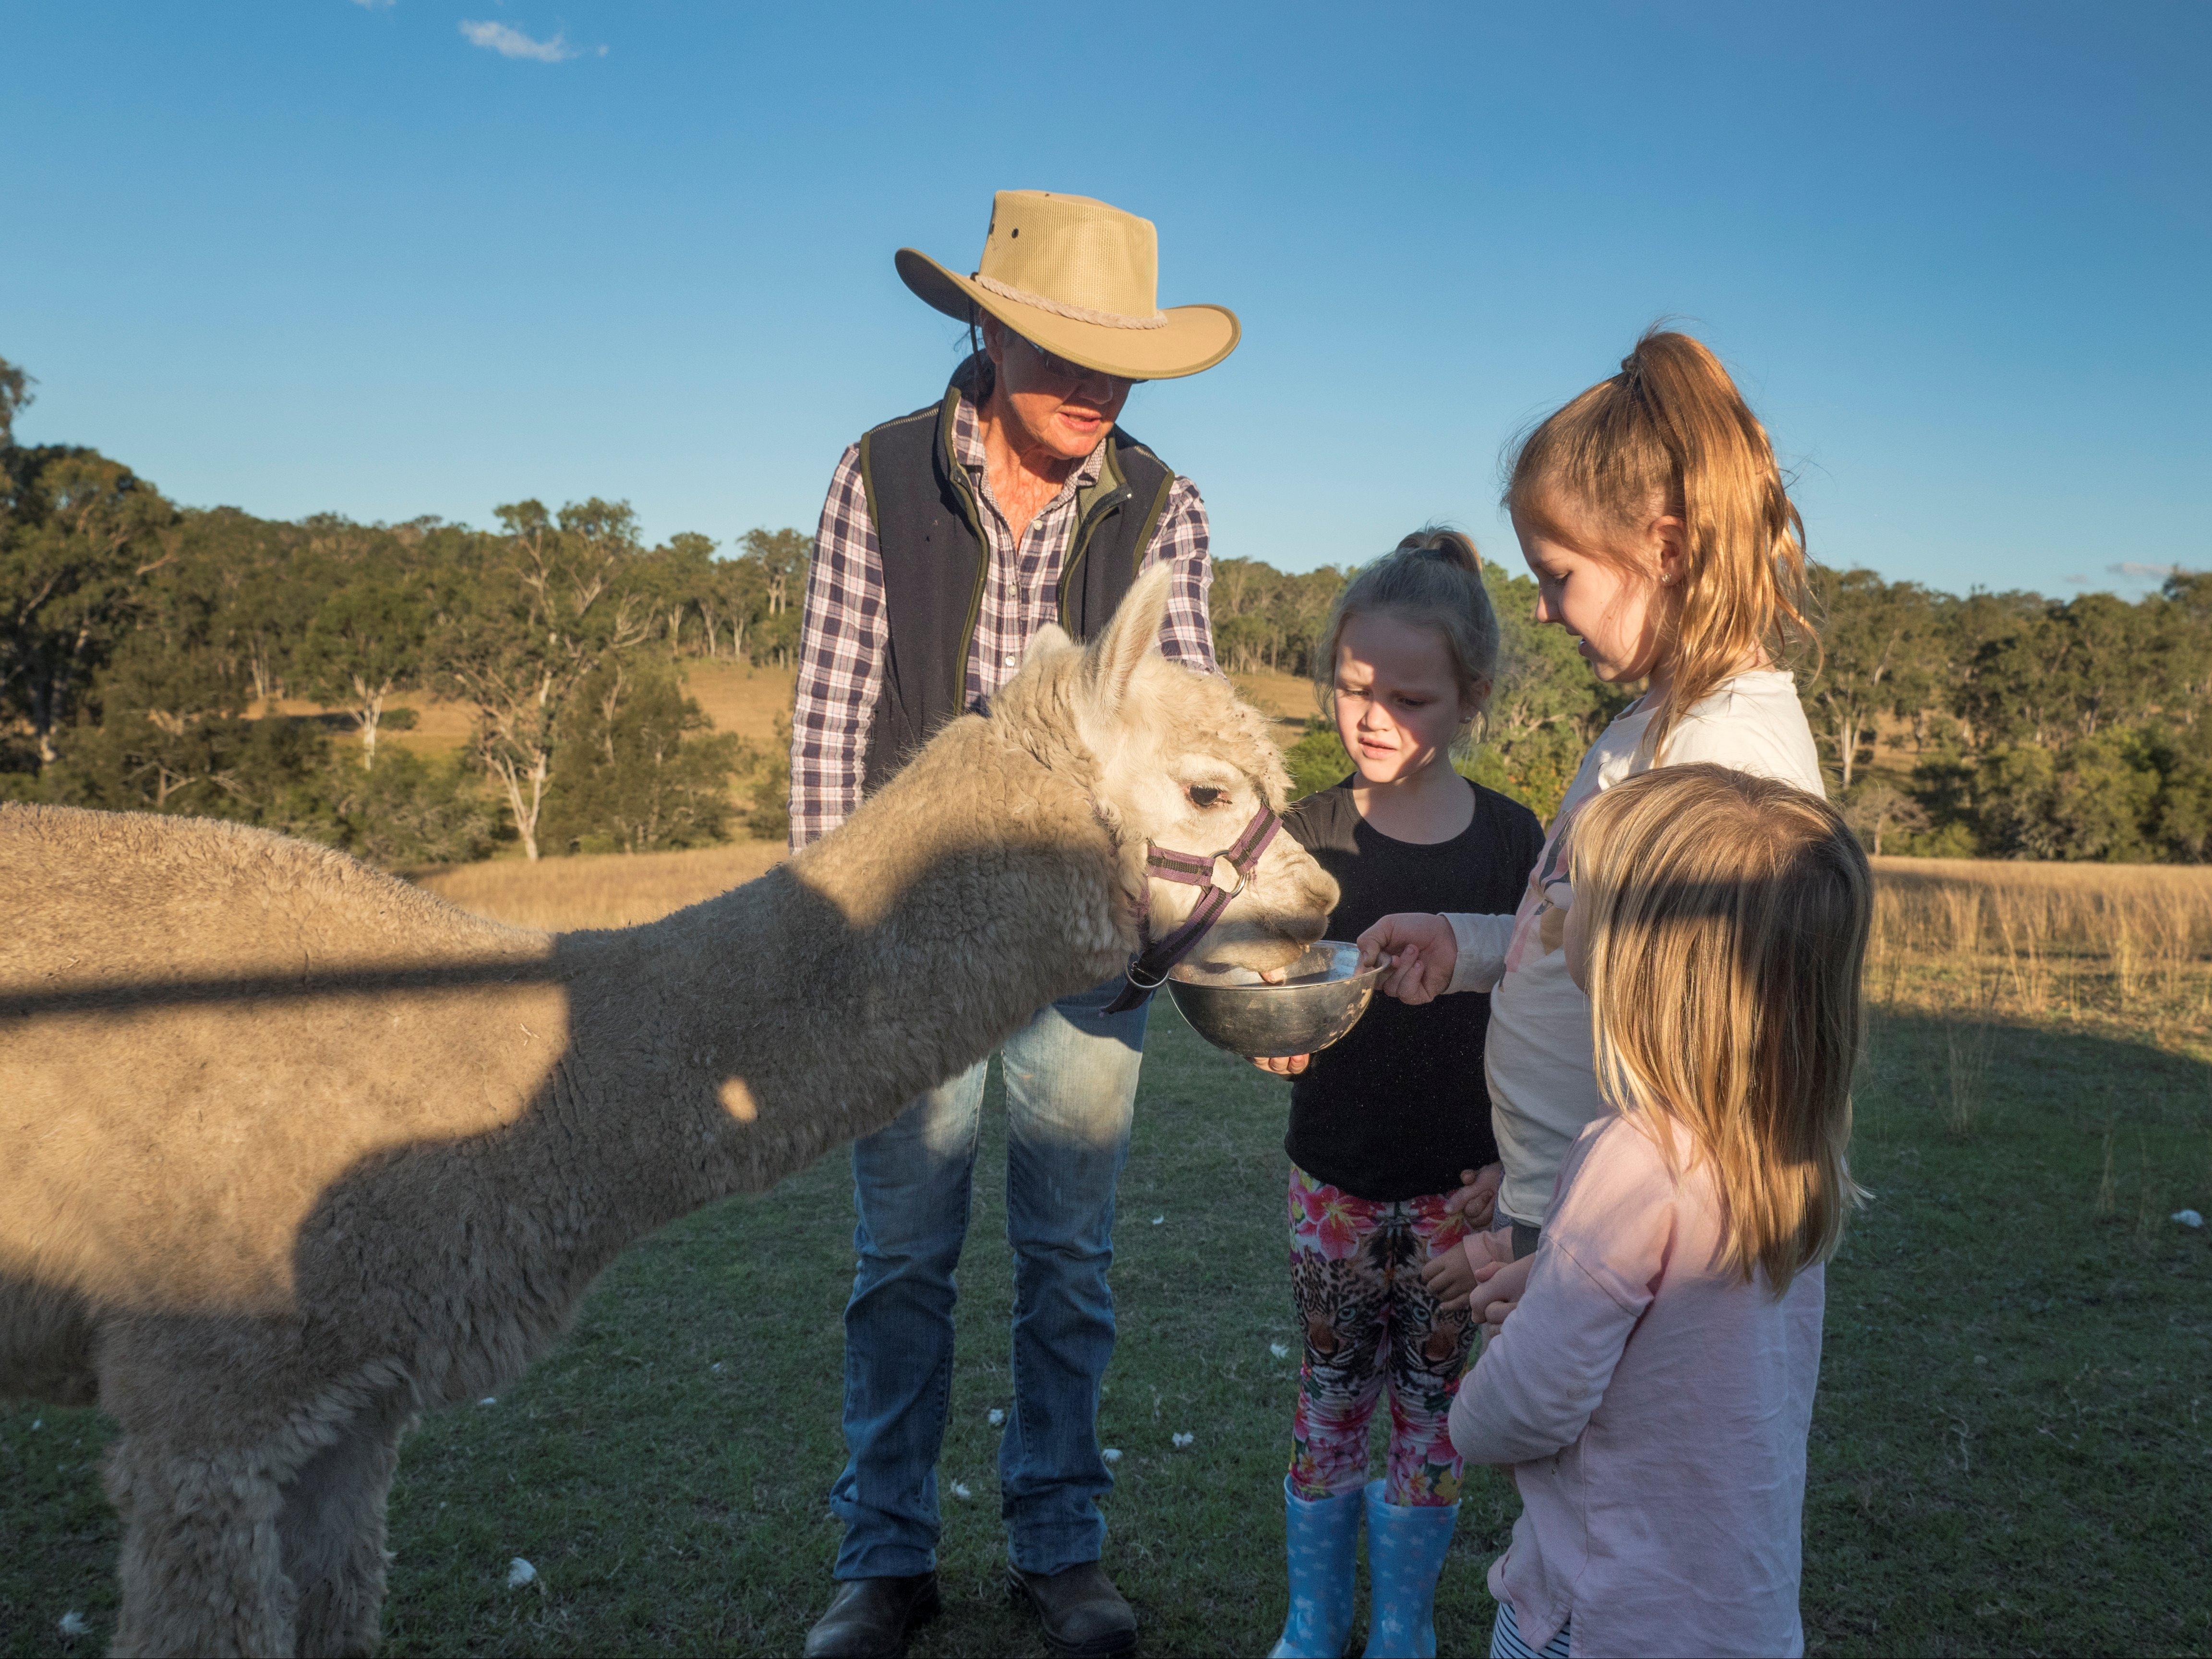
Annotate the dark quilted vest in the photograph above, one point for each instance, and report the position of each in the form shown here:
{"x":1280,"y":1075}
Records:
{"x":929,"y":529}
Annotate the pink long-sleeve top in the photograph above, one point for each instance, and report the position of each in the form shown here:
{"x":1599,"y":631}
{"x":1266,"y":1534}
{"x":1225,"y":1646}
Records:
{"x":1654,"y":1409}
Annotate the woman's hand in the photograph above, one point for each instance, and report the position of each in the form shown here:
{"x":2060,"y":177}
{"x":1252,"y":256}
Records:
{"x":1422,"y":952}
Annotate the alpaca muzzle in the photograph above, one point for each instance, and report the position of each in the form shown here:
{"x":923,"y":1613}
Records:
{"x":1148,"y":969}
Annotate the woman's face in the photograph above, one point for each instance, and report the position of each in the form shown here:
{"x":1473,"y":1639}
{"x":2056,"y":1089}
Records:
{"x":1398,"y":702}
{"x":1050,"y":404}
{"x":1610,"y":603}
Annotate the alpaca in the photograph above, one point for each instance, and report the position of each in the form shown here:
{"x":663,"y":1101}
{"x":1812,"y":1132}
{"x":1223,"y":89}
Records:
{"x":295,"y":1151}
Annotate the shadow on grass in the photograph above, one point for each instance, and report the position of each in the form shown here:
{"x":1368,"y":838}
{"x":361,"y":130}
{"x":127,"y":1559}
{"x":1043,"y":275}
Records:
{"x":2009,"y":1452}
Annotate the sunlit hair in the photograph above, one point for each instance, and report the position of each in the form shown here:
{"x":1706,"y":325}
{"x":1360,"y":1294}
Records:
{"x":1434,"y":578}
{"x":1727,"y":922}
{"x":1671,"y":434}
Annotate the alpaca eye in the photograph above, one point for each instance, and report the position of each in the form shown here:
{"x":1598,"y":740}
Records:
{"x":1201,"y":795}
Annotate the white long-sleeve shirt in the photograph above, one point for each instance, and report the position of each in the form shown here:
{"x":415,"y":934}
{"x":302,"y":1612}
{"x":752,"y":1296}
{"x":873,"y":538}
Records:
{"x":1538,"y":1058}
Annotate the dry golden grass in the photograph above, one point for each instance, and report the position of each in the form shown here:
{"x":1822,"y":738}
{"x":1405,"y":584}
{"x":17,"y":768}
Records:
{"x":2122,"y":950}
{"x":740,"y":699}
{"x":1286,"y":700}
{"x":2092,"y":945}
{"x":2145,"y":929}
{"x":1285,"y":695}
{"x":600,"y":890}
{"x":734,"y":696}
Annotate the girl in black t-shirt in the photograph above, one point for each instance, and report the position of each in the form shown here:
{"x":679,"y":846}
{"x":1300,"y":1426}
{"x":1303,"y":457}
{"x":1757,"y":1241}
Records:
{"x":1387,"y":1124}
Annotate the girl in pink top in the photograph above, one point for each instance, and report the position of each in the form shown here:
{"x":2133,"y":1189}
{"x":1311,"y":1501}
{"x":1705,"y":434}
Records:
{"x":1651,"y":1388}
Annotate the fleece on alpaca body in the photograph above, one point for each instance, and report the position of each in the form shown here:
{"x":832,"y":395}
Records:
{"x":296,"y":1150}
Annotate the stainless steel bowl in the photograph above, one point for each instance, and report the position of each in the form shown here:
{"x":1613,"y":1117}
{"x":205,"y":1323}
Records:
{"x":1320,"y":1000}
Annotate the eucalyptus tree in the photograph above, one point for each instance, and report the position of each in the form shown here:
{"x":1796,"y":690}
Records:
{"x":1878,"y":646}
{"x":364,"y":643}
{"x":551,"y":600}
{"x":79,"y":536}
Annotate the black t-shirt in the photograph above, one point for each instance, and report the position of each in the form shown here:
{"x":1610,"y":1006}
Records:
{"x":1398,"y":1107}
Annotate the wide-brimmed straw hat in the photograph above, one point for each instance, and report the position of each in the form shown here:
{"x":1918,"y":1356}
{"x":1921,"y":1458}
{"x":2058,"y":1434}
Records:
{"x":1081,"y":280}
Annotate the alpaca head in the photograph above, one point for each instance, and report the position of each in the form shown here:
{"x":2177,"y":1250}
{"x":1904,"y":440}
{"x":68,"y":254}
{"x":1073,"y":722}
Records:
{"x":1181,"y":761}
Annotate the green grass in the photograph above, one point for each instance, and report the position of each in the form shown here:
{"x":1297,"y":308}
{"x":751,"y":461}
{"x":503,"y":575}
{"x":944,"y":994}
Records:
{"x":2012,"y":1452}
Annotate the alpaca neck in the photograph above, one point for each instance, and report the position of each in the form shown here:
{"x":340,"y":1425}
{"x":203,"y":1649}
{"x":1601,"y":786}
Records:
{"x":807,"y":1007}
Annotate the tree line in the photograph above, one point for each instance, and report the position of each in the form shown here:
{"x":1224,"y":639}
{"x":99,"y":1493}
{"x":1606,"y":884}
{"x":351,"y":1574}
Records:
{"x":2009,"y":725}
{"x":139,"y":641}
{"x":2003,"y":725}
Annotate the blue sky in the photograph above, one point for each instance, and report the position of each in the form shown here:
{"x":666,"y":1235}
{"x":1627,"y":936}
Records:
{"x":425,"y":256}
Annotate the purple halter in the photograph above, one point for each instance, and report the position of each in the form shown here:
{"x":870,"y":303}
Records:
{"x":1148,"y":968}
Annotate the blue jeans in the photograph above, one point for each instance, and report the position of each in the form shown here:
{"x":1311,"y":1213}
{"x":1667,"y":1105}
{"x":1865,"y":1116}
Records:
{"x":1070,"y":1083}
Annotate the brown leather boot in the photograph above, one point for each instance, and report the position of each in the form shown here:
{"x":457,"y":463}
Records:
{"x":1084,"y":1616}
{"x":871,"y":1618}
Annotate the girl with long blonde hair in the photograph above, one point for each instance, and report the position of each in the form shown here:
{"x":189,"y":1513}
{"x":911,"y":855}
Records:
{"x":1653,"y":1386}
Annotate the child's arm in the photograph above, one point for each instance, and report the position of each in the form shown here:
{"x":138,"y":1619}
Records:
{"x":1476,"y":1201}
{"x":1454,"y":1273}
{"x":1501,"y":1293}
{"x":1432,"y":955}
{"x":1544,"y":1370}
{"x":1481,"y":960}
{"x":1455,"y":1270}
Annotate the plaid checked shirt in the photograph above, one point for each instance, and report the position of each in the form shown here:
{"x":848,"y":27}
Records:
{"x":841,"y":649}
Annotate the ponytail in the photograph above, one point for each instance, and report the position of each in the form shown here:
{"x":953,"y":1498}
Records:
{"x":1671,"y":433}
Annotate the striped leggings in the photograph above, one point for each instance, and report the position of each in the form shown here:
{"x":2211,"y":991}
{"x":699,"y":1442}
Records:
{"x":1505,"y":1641}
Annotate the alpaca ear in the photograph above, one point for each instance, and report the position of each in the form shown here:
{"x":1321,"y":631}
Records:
{"x":1135,"y":630}
{"x":1050,"y":637}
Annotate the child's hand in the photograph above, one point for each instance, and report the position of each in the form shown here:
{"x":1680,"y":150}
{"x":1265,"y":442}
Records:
{"x":1476,"y":1201}
{"x":1282,"y":1065}
{"x":1498,"y":1291}
{"x":1454,"y":1271}
{"x":1422,"y":951}
{"x":1496,"y":1322}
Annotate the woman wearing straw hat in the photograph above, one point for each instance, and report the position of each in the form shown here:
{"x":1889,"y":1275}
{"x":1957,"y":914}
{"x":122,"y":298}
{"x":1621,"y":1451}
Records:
{"x":949,"y":537}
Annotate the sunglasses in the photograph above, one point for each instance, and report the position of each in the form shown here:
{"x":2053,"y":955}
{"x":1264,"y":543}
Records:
{"x":1071,"y":373}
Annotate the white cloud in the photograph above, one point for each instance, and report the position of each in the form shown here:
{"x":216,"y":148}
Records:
{"x":373,"y":5}
{"x":2138,"y":572}
{"x":514,"y":43}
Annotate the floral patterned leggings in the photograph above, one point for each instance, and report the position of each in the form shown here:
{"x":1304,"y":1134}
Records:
{"x":1368,"y":1320}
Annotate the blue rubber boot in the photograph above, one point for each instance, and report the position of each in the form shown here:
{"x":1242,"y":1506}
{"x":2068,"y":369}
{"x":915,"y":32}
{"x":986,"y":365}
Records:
{"x":1406,"y":1545}
{"x":1324,"y":1544}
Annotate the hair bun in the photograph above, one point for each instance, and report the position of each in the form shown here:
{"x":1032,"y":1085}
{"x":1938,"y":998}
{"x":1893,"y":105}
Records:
{"x":1450,"y":546}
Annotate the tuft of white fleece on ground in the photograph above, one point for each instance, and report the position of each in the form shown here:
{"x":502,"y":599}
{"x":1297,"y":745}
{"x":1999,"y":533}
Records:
{"x":520,"y":1572}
